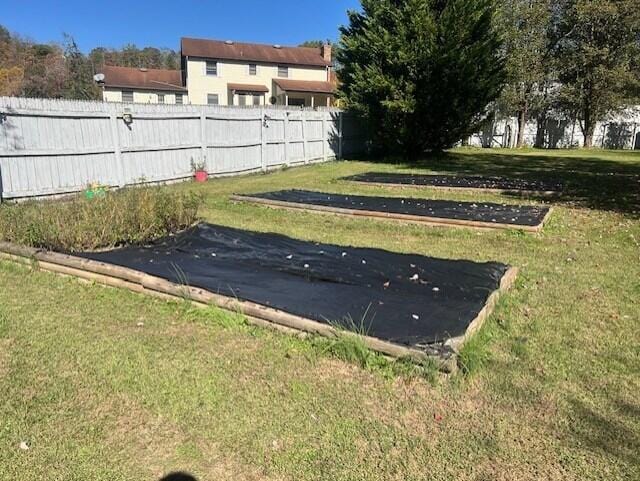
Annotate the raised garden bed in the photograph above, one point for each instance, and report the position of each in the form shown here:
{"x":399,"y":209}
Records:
{"x":399,"y":304}
{"x":480,"y":215}
{"x":465,"y":182}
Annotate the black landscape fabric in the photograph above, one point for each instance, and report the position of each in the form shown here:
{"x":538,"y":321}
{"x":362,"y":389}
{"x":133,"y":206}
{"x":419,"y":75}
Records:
{"x":469,"y":182}
{"x":516,"y":215}
{"x":406,"y":299}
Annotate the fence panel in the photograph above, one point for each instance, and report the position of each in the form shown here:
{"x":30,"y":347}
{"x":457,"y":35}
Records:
{"x":50,"y":147}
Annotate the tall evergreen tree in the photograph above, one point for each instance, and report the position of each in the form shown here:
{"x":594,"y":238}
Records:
{"x":597,"y":54}
{"x":421,"y":72}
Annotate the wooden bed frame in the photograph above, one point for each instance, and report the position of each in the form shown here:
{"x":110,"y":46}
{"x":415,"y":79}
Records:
{"x":445,"y":353}
{"x":425,"y":220}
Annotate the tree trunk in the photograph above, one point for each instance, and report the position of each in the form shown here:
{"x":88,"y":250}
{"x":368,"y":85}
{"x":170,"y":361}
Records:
{"x":588,"y":141}
{"x":522,"y":122}
{"x":541,"y":131}
{"x":589,"y":126}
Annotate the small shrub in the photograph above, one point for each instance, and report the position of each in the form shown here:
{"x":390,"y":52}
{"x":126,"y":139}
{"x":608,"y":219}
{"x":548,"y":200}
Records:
{"x":129,"y":216}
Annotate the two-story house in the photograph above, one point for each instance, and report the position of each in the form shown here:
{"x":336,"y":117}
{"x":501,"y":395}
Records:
{"x":234,"y":73}
{"x":218,"y":72}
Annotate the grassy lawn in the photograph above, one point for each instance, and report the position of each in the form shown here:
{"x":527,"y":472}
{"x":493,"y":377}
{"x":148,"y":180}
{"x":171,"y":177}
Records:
{"x":107,"y":384}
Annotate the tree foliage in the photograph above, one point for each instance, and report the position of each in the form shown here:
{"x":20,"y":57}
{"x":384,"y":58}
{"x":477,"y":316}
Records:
{"x":421,"y":72}
{"x":132,"y":56}
{"x":526,"y":26}
{"x":80,"y":83}
{"x":314,"y":43}
{"x":597,"y":50}
{"x":62,"y":71}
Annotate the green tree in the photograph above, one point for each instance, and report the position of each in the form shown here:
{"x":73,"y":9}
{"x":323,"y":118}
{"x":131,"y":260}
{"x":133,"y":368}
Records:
{"x":314,"y":43}
{"x":80,"y":84}
{"x":526,"y":25}
{"x":597,"y":49}
{"x":421,"y":72}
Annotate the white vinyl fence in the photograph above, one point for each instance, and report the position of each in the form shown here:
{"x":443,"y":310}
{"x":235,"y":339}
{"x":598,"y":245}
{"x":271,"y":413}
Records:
{"x":620,"y":130}
{"x":52,"y":147}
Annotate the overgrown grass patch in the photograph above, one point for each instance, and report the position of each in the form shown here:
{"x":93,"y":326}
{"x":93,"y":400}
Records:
{"x":130,"y":216}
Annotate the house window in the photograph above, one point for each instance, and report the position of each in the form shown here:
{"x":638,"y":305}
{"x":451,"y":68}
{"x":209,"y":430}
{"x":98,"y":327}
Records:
{"x":283,"y":71}
{"x":127,"y":96}
{"x":179,"y":99}
{"x":212,"y":99}
{"x":253,"y":69}
{"x":160,"y":98}
{"x":256,"y":99}
{"x":212,"y":69}
{"x":242,"y":99}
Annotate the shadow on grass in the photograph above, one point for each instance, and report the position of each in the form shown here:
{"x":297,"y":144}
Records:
{"x":589,"y":180}
{"x":179,"y":476}
{"x":608,"y":433}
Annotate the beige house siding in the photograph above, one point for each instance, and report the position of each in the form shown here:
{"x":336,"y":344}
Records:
{"x":199,"y":84}
{"x":141,"y":97}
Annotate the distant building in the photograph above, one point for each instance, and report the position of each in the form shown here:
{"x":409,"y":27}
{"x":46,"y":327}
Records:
{"x":230,"y":73}
{"x":141,"y":85}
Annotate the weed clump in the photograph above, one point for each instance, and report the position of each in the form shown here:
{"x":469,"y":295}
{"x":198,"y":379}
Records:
{"x":129,"y":216}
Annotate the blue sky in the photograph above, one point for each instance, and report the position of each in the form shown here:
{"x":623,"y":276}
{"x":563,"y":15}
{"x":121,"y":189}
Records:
{"x":161,"y":23}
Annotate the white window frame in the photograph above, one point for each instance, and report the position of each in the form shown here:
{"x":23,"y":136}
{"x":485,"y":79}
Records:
{"x":256,"y":99}
{"x":254,"y":67}
{"x":161,"y":99}
{"x":181,"y":97}
{"x":282,"y":68}
{"x":217,"y":98}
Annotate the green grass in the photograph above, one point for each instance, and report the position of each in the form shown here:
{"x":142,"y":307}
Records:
{"x":549,"y":390}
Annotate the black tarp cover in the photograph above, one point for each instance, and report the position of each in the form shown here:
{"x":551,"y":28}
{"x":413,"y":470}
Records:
{"x":459,"y":181}
{"x":407,"y":299}
{"x":516,"y":215}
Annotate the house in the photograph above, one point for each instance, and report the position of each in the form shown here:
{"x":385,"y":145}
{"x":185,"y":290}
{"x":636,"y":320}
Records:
{"x":233,"y":73}
{"x":141,"y":85}
{"x":218,"y":72}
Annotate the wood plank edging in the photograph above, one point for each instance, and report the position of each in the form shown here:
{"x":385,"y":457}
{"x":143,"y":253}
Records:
{"x":430,"y":221}
{"x":506,"y":283}
{"x":121,"y":277}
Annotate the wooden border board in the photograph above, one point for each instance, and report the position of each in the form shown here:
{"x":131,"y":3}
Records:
{"x":445,"y":354}
{"x":425,"y":220}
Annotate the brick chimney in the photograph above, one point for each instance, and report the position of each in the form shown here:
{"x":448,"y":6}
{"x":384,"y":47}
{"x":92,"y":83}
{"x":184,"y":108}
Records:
{"x":326,"y":52}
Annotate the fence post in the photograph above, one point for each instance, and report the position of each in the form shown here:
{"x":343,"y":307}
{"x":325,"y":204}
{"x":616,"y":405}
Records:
{"x":203,"y":140}
{"x":117,"y":151}
{"x":324,"y":137}
{"x":340,"y":126}
{"x":263,"y":139}
{"x":305,"y":147}
{"x":286,"y":138}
